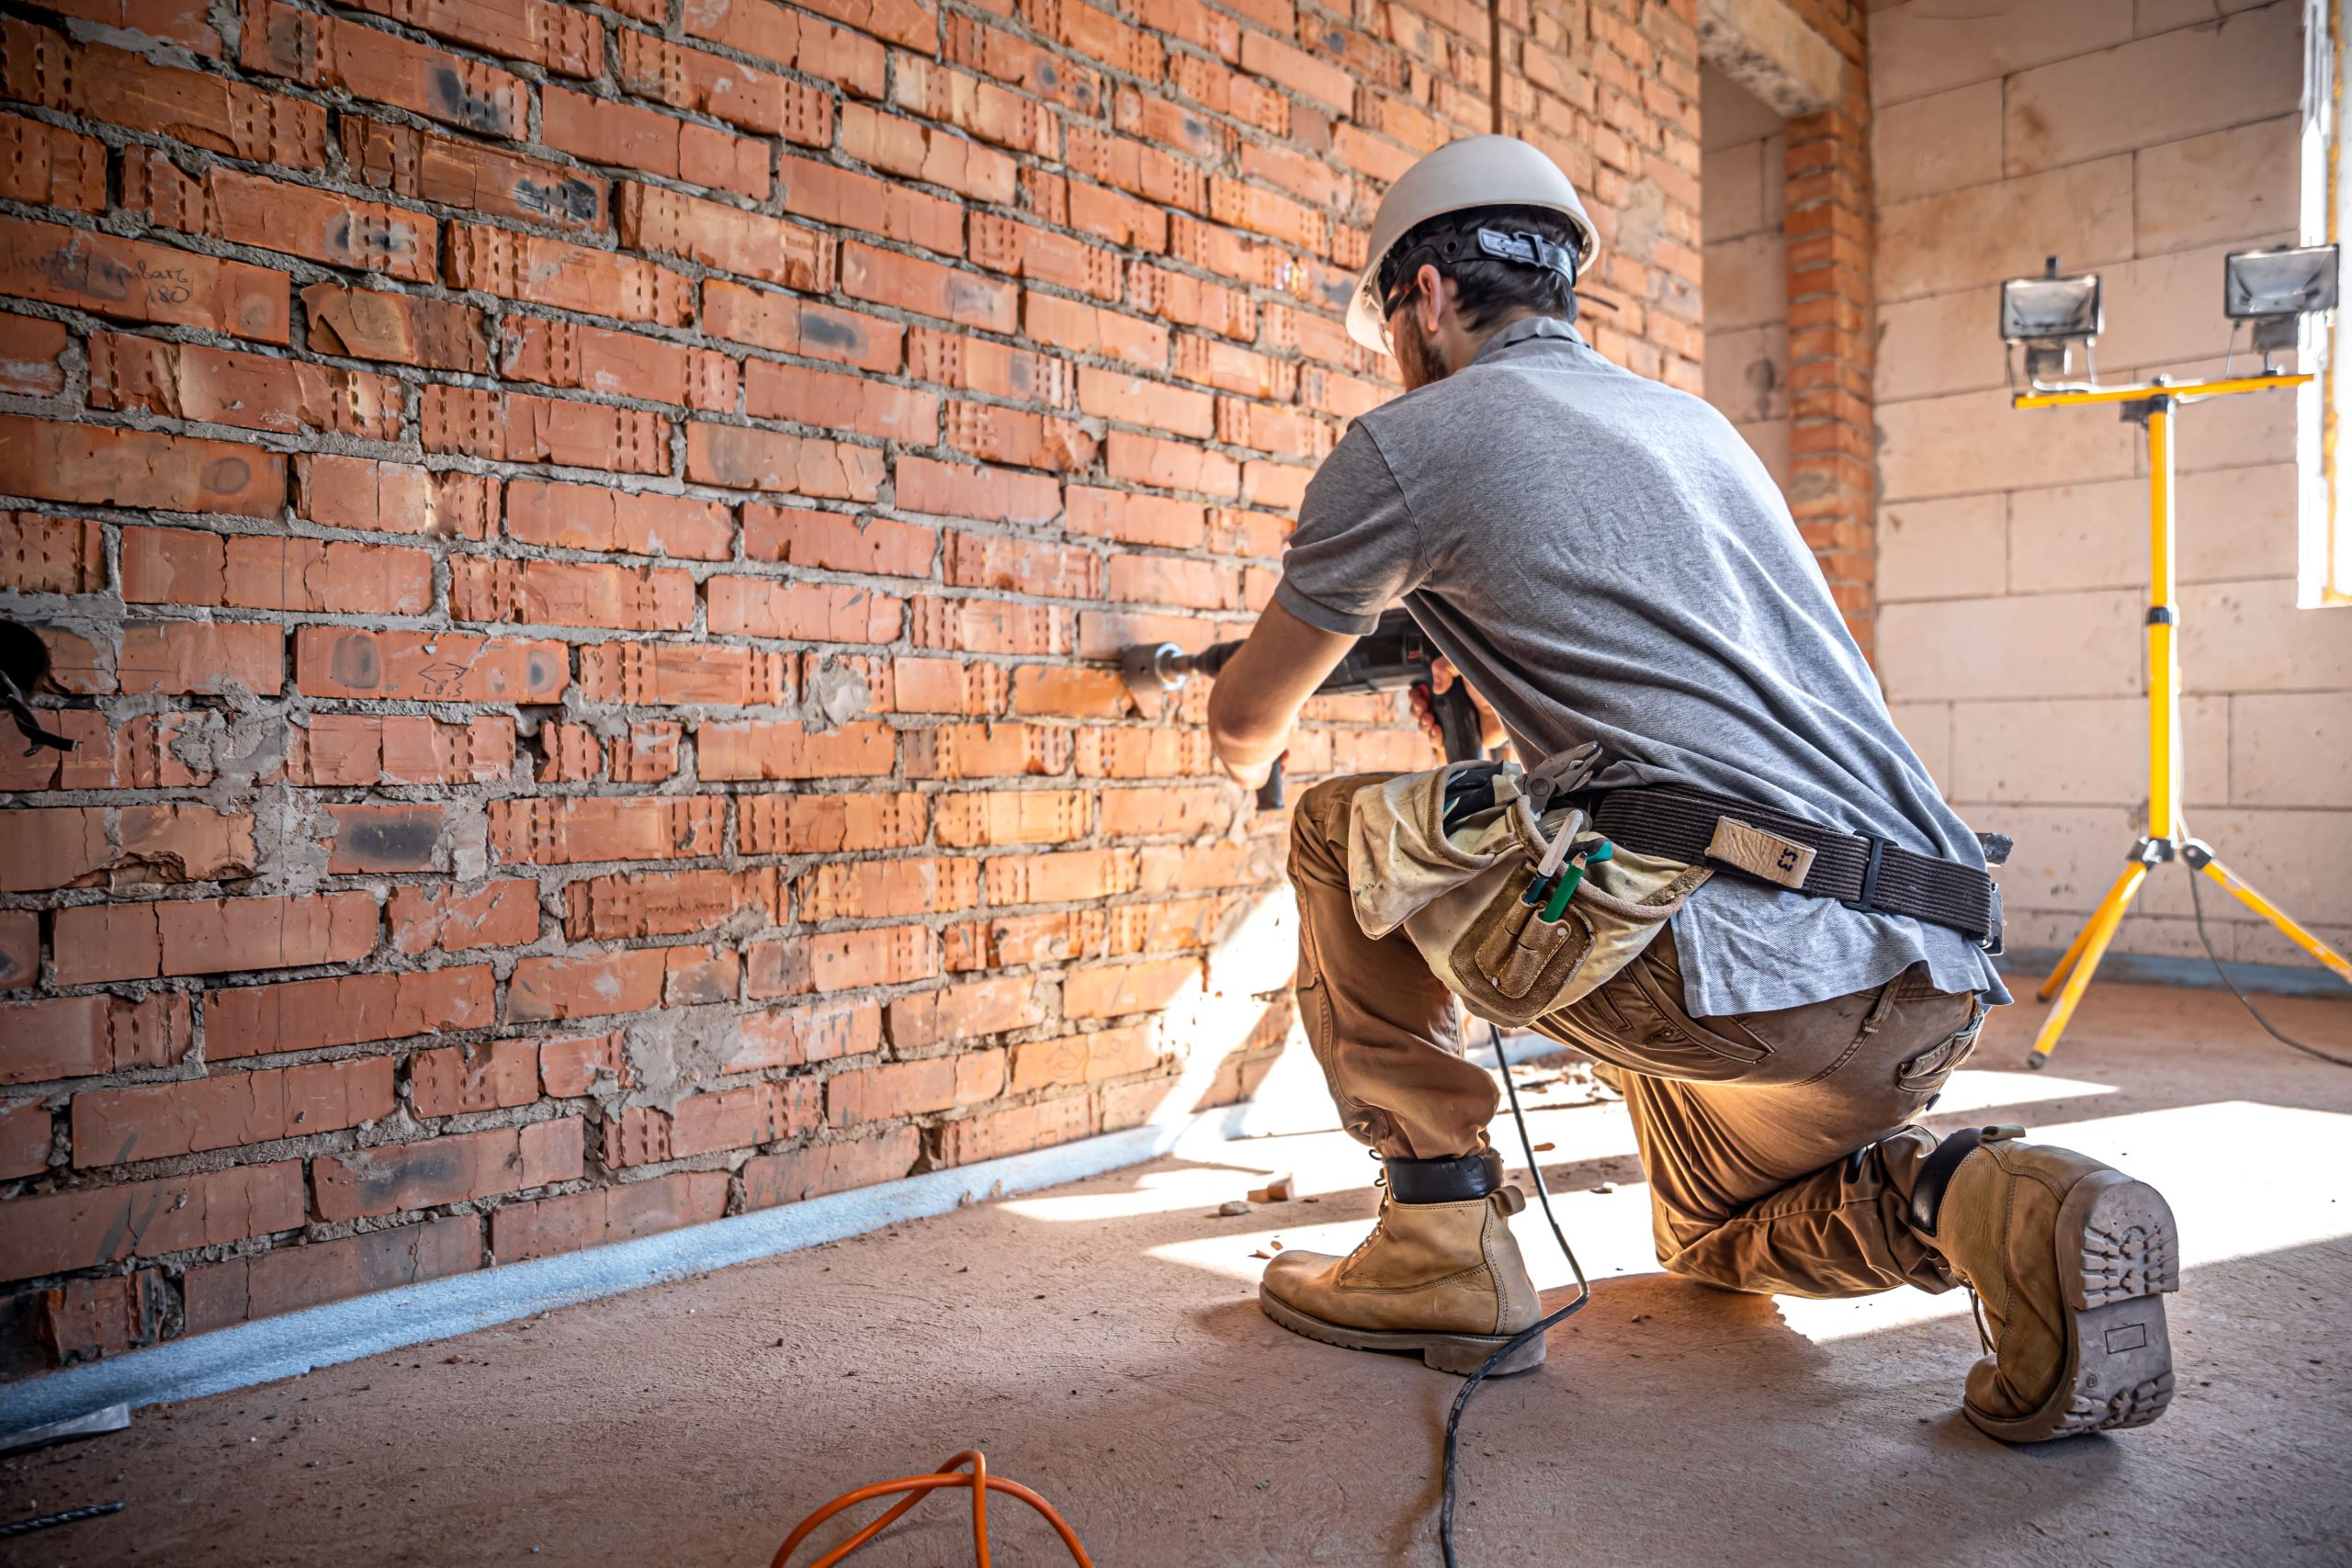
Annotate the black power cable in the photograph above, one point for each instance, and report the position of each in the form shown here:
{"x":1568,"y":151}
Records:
{"x":2197,"y":903}
{"x":1534,"y":1331}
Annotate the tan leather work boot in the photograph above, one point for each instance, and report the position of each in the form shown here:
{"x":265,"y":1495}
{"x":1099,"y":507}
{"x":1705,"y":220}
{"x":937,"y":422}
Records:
{"x":2069,"y":1260}
{"x":1444,"y":1279}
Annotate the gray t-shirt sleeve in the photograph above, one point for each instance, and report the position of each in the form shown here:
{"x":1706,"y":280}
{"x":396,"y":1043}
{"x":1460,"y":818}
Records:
{"x":1357,"y":547}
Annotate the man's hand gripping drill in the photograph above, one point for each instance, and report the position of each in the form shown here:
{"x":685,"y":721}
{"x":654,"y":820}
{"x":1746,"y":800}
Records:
{"x":1395,"y":654}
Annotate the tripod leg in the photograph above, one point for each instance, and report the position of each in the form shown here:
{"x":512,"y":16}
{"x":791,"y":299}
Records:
{"x":2246,"y":894}
{"x":2092,"y":945}
{"x":2117,"y":895}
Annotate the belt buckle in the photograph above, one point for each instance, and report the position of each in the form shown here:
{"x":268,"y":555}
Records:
{"x":1868,"y":903}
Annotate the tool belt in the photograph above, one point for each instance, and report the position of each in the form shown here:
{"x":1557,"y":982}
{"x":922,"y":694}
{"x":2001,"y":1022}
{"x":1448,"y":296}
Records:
{"x":1518,"y":906}
{"x":1859,"y":871}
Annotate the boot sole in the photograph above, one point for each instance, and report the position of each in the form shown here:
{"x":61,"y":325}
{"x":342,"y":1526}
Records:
{"x":1460,"y":1354}
{"x":2119,"y":1254}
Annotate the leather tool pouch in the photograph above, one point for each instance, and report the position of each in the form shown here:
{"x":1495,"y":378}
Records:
{"x":1457,"y":890}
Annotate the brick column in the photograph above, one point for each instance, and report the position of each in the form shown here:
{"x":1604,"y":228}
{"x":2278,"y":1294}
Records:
{"x":1832,"y":456}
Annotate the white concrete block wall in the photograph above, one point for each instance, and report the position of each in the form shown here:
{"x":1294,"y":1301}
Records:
{"x":1742,"y":180}
{"x":2144,"y":139}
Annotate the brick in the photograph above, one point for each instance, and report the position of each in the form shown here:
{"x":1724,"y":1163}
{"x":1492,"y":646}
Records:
{"x":787,"y":325}
{"x":20,"y":950}
{"x":627,"y":137}
{"x":740,"y":458}
{"x":360,"y":492}
{"x":1115,"y":990}
{"x":1066,"y":692}
{"x":86,"y":1316}
{"x":25,"y":1135}
{"x":1022,"y":816}
{"x":174,"y":566}
{"x":985,"y":625}
{"x":1084,"y":1058}
{"x":657,"y":674}
{"x":881,"y":889}
{"x":595,"y":517}
{"x":1137,"y":519}
{"x":913,"y":1088}
{"x":451,"y":1168}
{"x":843,"y":196}
{"x":792,"y":1176}
{"x":547,"y":831}
{"x":802,"y":396}
{"x":1170,"y":465}
{"x":406,"y":329}
{"x":199,"y":107}
{"x":518,"y":428}
{"x":1022,"y":566}
{"x":250,"y":209}
{"x":596,"y":1064}
{"x":369,"y":748}
{"x":789,"y":1037}
{"x":30,"y":351}
{"x":587,"y":986}
{"x":1015,"y":1131}
{"x":385,"y":68}
{"x":828,"y":824}
{"x":993,"y":494}
{"x":88,"y":1227}
{"x":119,"y":1126}
{"x":292,"y":1277}
{"x":1089,"y":329}
{"x":767,"y":749}
{"x":1017,"y":436}
{"x":47,"y":167}
{"x":577,"y":593}
{"x":829,"y":612}
{"x":639,"y":903}
{"x":966,"y":1012}
{"x":835,"y":541}
{"x":601,"y":1216}
{"x":790,"y":39}
{"x":457,"y":1079}
{"x":889,"y":277}
{"x":540,"y":271}
{"x":200,"y":656}
{"x":840,"y":961}
{"x":976,"y":365}
{"x":986,"y":750}
{"x":724,"y":237}
{"x":91,"y":464}
{"x":71,"y":1037}
{"x":348,"y":661}
{"x":917,"y":151}
{"x":1059,"y":878}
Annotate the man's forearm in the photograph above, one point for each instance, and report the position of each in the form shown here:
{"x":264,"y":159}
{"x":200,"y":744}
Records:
{"x":1258,"y":694}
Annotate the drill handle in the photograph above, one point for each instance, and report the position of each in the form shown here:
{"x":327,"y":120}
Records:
{"x":1457,"y":721}
{"x":1269,"y":793}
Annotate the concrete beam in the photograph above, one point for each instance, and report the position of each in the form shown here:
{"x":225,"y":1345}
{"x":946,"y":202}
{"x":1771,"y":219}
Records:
{"x":1768,"y":50}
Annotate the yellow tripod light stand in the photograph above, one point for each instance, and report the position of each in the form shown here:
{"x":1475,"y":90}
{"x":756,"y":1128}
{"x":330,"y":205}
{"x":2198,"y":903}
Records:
{"x":2155,"y":406}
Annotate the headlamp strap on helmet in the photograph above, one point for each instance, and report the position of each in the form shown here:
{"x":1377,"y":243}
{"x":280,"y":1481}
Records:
{"x":1522,"y":247}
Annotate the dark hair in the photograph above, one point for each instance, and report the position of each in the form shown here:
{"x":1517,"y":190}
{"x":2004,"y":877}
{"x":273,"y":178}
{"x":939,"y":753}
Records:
{"x":1487,"y":288}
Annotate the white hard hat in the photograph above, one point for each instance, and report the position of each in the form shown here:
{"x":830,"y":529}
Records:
{"x":1477,"y":171}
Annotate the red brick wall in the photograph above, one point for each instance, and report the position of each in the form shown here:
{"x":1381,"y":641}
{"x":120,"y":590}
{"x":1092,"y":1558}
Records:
{"x":579,"y":542}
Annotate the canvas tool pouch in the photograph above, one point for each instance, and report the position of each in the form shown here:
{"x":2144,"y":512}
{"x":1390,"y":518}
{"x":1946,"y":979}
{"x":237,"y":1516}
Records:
{"x":1458,"y":895}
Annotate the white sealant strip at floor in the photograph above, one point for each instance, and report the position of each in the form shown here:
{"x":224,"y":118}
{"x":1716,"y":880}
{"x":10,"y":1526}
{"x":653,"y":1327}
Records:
{"x":299,"y":1342}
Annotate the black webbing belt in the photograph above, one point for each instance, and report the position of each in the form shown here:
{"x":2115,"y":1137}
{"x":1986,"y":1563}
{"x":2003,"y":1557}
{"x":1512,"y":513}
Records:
{"x":1862,"y":872}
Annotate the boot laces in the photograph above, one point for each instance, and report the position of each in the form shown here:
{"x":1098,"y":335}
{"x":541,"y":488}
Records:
{"x":1976,"y":1311}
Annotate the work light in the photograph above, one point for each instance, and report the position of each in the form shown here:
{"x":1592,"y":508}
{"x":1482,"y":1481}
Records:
{"x":2048,"y":315}
{"x":2276,"y":288}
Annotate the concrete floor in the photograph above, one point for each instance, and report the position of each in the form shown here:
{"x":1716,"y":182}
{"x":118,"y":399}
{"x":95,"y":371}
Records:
{"x":1102,"y":1342}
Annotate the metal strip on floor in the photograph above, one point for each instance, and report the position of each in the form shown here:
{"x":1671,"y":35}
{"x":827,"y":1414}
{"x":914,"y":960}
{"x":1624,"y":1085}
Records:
{"x":295,"y":1343}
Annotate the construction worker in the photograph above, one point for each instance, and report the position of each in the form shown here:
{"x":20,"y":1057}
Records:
{"x":1605,"y":560}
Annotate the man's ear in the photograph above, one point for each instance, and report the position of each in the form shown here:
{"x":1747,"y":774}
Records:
{"x":1428,"y":298}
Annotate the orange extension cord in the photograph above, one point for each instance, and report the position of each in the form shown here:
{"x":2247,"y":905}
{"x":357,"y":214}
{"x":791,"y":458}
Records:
{"x":922,"y":1486}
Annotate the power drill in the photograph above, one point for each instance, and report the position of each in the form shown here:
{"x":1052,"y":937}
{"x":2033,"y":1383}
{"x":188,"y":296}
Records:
{"x":1395,"y":654}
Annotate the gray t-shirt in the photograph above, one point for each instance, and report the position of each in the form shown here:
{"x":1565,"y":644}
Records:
{"x":1606,"y":560}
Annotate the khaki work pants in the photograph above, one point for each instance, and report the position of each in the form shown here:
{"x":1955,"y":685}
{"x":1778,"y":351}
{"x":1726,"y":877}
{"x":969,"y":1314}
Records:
{"x":1778,"y":1147}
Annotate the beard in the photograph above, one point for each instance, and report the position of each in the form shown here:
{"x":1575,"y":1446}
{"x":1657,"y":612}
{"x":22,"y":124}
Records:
{"x":1417,"y":359}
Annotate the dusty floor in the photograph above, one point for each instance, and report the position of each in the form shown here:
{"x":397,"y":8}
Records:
{"x":1101,"y":1341}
